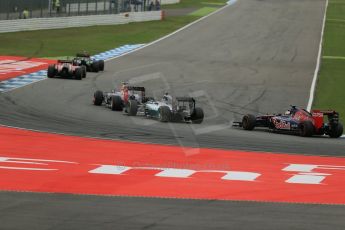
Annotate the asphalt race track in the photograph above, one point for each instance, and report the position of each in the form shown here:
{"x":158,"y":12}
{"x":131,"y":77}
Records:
{"x":256,"y":56}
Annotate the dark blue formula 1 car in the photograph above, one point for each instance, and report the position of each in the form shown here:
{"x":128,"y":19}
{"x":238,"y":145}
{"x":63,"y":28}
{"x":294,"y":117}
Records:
{"x":91,"y":64}
{"x":297,"y":121}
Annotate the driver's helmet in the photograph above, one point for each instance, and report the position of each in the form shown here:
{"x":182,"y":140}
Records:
{"x":124,"y":85}
{"x":167,"y":98}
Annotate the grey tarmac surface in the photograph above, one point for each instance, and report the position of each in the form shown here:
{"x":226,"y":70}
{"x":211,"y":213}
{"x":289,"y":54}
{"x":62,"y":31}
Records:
{"x":253,"y":57}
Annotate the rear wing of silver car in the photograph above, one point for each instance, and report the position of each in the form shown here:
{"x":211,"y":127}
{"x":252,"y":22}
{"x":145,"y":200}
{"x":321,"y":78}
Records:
{"x":185,"y":99}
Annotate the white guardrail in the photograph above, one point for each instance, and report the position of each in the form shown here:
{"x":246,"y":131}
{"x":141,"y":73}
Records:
{"x":77,"y":21}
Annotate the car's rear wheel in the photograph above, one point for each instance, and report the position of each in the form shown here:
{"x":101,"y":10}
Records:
{"x":306,"y":129}
{"x":116,"y":103}
{"x":98,"y":98}
{"x":248,"y":122}
{"x":197,"y":116}
{"x":79,"y":73}
{"x":164,"y":114}
{"x":101,"y":65}
{"x":336,"y":131}
{"x":84,"y":71}
{"x":95,"y":66}
{"x":51,"y":71}
{"x":132,"y":108}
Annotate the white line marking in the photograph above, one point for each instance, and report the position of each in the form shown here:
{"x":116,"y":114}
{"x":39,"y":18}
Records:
{"x":335,"y":20}
{"x":333,"y":57}
{"x":313,"y":84}
{"x":231,"y":2}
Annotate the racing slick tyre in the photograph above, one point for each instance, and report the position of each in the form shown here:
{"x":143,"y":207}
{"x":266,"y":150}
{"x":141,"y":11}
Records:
{"x":337,"y":131}
{"x":98,"y":98}
{"x":84,"y":71}
{"x":51,"y":71}
{"x":132,"y":108}
{"x":79,"y":73}
{"x":101,"y":65}
{"x":197,"y":116}
{"x":248,"y":122}
{"x":164,"y":114}
{"x":116,"y":103}
{"x":95,"y":67}
{"x":306,"y":129}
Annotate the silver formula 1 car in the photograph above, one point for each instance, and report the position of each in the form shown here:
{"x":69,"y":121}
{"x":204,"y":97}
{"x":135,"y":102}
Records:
{"x":180,"y":109}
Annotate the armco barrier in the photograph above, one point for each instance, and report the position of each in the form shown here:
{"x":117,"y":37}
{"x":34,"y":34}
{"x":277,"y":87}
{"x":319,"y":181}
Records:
{"x":77,"y":21}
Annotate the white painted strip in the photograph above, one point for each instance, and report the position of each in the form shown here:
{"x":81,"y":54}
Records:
{"x":231,"y":2}
{"x":333,"y":57}
{"x":313,"y":84}
{"x":335,"y":20}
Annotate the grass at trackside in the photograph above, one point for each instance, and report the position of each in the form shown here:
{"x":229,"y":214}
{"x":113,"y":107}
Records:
{"x":195,"y":4}
{"x":330,"y":91}
{"x":203,"y":11}
{"x":95,"y":39}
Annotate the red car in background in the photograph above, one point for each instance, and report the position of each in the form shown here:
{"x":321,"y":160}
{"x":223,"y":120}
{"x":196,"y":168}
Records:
{"x":66,"y":69}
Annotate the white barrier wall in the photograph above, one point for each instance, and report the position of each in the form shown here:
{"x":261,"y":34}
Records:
{"x":77,"y":21}
{"x":167,"y":2}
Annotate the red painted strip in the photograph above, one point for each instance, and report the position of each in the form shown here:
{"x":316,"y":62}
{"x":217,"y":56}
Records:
{"x":79,"y":156}
{"x":11,"y":66}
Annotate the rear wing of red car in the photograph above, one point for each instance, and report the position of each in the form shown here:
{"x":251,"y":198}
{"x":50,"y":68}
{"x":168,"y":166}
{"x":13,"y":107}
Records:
{"x":318,"y":116}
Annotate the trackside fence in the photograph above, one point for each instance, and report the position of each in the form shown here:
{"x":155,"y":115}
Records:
{"x":24,"y":9}
{"x":77,"y":21}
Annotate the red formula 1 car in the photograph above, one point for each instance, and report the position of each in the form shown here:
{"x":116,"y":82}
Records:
{"x":66,"y":68}
{"x":298,"y":121}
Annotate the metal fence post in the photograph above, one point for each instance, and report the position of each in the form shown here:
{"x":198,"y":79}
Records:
{"x":96,"y":7}
{"x":8,"y":11}
{"x":41,"y":8}
{"x":50,"y":8}
{"x":69,"y":8}
{"x":78,"y":7}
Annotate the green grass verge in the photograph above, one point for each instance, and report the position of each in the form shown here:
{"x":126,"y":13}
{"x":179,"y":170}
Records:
{"x":195,"y":4}
{"x":95,"y":39}
{"x":330,"y":91}
{"x":203,"y":11}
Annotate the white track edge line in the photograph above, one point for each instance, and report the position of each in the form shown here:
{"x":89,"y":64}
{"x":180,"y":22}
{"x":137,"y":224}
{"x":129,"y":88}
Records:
{"x":317,"y":68}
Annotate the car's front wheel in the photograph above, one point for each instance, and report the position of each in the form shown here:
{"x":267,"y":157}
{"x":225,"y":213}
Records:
{"x":164,"y":114}
{"x":116,"y":103}
{"x":132,"y":108}
{"x":248,"y":122}
{"x":98,"y":98}
{"x":306,"y":129}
